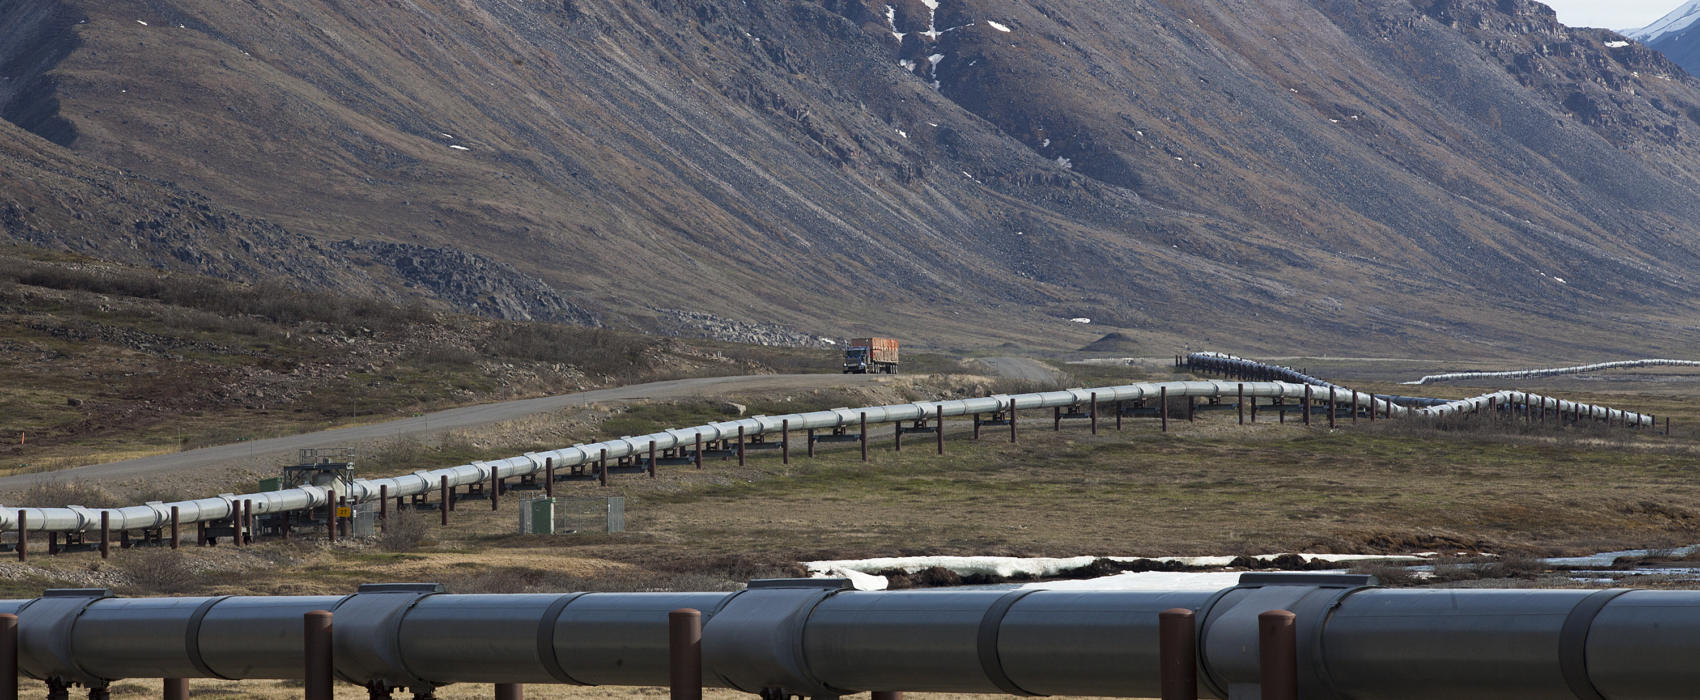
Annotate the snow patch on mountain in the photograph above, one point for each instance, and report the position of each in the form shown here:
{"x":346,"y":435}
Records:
{"x":1679,"y":19}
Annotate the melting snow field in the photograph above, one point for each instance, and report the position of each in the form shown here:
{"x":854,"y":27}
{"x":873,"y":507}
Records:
{"x":997,"y":26}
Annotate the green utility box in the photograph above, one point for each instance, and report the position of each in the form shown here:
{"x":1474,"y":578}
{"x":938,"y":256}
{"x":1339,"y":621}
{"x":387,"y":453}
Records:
{"x":271,"y":484}
{"x":542,"y":520}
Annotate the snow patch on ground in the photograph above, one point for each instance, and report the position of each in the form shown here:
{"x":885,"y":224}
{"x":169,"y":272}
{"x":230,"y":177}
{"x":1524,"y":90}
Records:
{"x":1066,"y":163}
{"x":1082,"y":320}
{"x":997,"y":26}
{"x":891,"y":21}
{"x":1616,"y":44}
{"x":459,"y":147}
{"x":141,"y":23}
{"x":864,"y":572}
{"x":1149,"y":581}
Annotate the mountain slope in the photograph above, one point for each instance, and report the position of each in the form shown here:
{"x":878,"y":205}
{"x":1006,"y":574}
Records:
{"x":967,"y":171}
{"x":1675,"y":35}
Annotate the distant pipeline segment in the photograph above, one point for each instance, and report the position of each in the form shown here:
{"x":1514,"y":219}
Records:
{"x":1273,"y":383}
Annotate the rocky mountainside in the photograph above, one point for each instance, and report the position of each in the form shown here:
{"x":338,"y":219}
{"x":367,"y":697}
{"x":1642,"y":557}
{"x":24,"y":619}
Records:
{"x":1463,"y":173}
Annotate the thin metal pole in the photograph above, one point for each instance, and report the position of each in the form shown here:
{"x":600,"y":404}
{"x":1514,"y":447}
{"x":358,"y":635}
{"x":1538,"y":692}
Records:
{"x":1094,"y":412}
{"x":172,"y":689}
{"x":1012,"y":420}
{"x":785,"y":441}
{"x":105,"y":534}
{"x":1240,"y":404}
{"x":384,"y":506}
{"x":897,"y":435}
{"x":1354,"y":405}
{"x":8,"y":656}
{"x":510,"y":691}
{"x":740,"y":446}
{"x":248,"y":521}
{"x":1163,"y":407}
{"x":684,"y":649}
{"x":1277,"y":652}
{"x":1177,"y":654}
{"x":445,"y":506}
{"x":1333,"y":408}
{"x":316,"y":643}
{"x":330,"y":514}
{"x":864,"y":436}
{"x":938,"y":426}
{"x":24,"y":536}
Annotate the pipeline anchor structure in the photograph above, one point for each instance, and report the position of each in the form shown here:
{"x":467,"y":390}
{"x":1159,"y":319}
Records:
{"x":1337,"y":637}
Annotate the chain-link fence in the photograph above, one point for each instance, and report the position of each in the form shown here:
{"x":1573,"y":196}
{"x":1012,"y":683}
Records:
{"x":541,"y":515}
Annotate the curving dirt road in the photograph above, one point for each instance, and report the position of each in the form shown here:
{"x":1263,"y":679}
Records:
{"x":451,"y":419}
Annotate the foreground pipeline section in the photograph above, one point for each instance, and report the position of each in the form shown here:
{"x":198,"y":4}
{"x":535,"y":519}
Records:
{"x":1251,"y":385}
{"x":817,"y":638}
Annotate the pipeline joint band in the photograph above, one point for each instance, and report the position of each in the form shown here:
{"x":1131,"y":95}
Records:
{"x":990,"y":626}
{"x":193,"y":641}
{"x":546,"y":639}
{"x":1573,"y":643}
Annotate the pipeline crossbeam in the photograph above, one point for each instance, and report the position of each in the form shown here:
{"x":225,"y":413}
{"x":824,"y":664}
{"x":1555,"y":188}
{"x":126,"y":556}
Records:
{"x":816,"y":637}
{"x":155,"y":515}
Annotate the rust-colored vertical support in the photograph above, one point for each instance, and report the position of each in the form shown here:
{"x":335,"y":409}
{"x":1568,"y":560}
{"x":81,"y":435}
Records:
{"x":8,"y":656}
{"x":1254,"y":410}
{"x":1093,"y":409}
{"x":1373,"y":409}
{"x":1306,"y":407}
{"x":549,"y":472}
{"x":445,"y":505}
{"x":1163,"y":406}
{"x":105,"y":534}
{"x":1239,"y":405}
{"x":864,"y":416}
{"x":1177,"y":654}
{"x":200,"y":534}
{"x":1118,"y":415}
{"x":23,"y":537}
{"x":785,"y":441}
{"x":811,"y":442}
{"x":124,"y":539}
{"x":1277,"y":654}
{"x":236,"y":523}
{"x":510,"y":691}
{"x":316,"y":648}
{"x":330,"y":514}
{"x":1012,"y":420}
{"x":1056,"y":418}
{"x":170,"y":689}
{"x":248,"y":522}
{"x":651,"y":464}
{"x":938,"y":426}
{"x":496,"y":488}
{"x":699,"y":450}
{"x":1354,"y":406}
{"x":1333,"y":408}
{"x":684,"y":651}
{"x":602,"y":468}
{"x":897,"y":436}
{"x":1191,"y":408}
{"x":740,"y":446}
{"x":976,"y":427}
{"x":384,"y":506}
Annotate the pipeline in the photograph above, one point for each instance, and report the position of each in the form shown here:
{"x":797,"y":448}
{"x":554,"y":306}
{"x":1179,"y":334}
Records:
{"x":818,"y":638}
{"x":155,"y":515}
{"x":1554,"y":371}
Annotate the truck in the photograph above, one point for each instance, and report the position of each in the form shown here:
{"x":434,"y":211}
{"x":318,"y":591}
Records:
{"x":870,"y":355}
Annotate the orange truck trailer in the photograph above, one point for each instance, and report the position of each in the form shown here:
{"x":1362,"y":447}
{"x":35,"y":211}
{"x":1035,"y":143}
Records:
{"x":870,"y":355}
